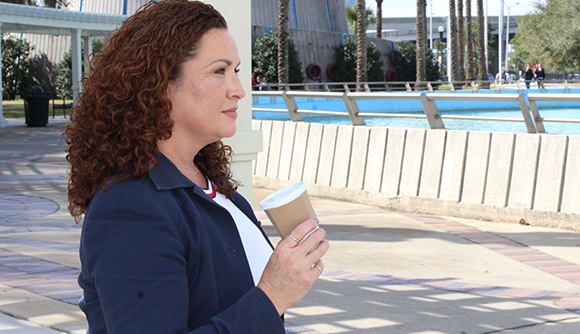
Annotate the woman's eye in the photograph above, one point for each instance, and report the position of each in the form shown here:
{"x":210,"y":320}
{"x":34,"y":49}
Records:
{"x":220,"y":71}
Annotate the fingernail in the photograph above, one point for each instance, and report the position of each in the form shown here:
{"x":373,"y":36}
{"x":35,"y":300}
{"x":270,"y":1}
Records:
{"x":316,"y":220}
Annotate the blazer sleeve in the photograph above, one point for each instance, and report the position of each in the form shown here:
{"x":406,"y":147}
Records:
{"x":136,"y":258}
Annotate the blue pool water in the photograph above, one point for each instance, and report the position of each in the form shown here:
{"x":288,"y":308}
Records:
{"x":570,"y":110}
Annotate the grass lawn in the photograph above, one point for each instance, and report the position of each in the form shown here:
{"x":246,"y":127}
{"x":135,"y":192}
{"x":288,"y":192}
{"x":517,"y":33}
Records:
{"x":15,"y":108}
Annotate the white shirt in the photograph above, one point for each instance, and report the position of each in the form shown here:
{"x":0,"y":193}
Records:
{"x":257,"y":249}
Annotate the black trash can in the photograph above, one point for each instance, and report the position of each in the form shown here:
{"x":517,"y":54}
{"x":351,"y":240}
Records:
{"x":36,"y":107}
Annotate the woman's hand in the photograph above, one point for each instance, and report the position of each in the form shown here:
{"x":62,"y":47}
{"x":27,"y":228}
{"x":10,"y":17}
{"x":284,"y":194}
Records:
{"x":295,"y":265}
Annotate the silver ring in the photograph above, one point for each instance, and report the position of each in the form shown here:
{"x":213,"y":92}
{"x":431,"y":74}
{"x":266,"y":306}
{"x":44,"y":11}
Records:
{"x":319,"y":269}
{"x":294,"y":238}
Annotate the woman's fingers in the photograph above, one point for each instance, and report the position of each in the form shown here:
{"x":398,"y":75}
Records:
{"x":297,"y":235}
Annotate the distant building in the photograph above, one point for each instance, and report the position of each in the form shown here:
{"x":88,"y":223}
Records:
{"x":404,"y":28}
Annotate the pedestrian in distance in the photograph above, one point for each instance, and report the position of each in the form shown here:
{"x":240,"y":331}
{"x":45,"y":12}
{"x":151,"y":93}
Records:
{"x":168,"y":245}
{"x":540,"y":76}
{"x":528,"y":75}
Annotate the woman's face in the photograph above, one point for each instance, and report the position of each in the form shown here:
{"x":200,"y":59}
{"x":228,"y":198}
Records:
{"x":205,"y":97}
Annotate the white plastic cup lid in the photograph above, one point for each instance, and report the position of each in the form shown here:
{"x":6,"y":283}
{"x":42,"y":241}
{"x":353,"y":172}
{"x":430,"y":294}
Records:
{"x":283,"y":196}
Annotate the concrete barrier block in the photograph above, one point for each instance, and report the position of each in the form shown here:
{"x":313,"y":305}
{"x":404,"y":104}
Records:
{"x":412,"y":162}
{"x":393,"y":161}
{"x":500,"y":169}
{"x":262,"y":162}
{"x":275,"y":149}
{"x":453,"y":165}
{"x":526,"y":153}
{"x":256,"y":124}
{"x":375,"y":159}
{"x":550,"y":173}
{"x":312,"y":153}
{"x":476,"y":160}
{"x":327,"y":150}
{"x":571,"y":191}
{"x":299,"y":153}
{"x":358,"y":160}
{"x":287,"y":150}
{"x":432,"y":163}
{"x":341,"y":163}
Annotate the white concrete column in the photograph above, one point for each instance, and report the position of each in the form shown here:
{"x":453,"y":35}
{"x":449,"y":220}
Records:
{"x":3,"y":121}
{"x":247,"y":142}
{"x":87,"y":52}
{"x":76,"y":64}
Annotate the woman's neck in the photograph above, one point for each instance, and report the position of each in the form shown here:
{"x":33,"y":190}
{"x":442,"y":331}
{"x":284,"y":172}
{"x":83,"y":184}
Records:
{"x":183,"y":159}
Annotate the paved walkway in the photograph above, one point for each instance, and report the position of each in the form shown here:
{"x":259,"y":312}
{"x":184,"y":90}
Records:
{"x":386,"y":272}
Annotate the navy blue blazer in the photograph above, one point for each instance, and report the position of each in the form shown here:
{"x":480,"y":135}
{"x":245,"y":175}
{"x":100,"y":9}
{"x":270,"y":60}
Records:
{"x":158,"y":255}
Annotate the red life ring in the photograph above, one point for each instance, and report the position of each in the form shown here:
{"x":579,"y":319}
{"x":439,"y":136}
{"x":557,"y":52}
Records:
{"x":331,"y":72}
{"x":390,"y":76}
{"x":314,"y":72}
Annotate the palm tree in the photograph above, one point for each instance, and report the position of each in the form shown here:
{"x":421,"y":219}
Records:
{"x":453,"y":37}
{"x":481,"y":66}
{"x":421,"y":40}
{"x":361,"y":43}
{"x":460,"y":41}
{"x":379,"y":19}
{"x":351,"y":18}
{"x":282,"y":43}
{"x":469,"y":64}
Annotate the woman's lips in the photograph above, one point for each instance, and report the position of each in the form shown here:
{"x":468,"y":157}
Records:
{"x":231,"y":113}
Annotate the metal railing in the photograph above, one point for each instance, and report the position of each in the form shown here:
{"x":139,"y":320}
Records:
{"x":533,"y":121}
{"x":411,"y":86}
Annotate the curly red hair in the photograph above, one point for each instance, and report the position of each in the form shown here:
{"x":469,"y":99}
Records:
{"x":124,"y":109}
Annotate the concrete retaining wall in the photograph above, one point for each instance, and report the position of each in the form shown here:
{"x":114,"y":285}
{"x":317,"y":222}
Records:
{"x":533,"y":179}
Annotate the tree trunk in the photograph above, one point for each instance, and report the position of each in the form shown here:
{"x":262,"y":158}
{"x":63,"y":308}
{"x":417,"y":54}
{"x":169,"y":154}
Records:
{"x":481,"y":66}
{"x":361,"y":43}
{"x":379,"y":19}
{"x":282,"y":43}
{"x":421,"y":40}
{"x":453,"y":44}
{"x":469,"y":63}
{"x":460,"y":41}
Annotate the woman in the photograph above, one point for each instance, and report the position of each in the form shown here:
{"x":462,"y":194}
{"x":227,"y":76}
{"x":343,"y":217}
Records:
{"x":540,"y":76}
{"x":168,"y":245}
{"x":528,"y":75}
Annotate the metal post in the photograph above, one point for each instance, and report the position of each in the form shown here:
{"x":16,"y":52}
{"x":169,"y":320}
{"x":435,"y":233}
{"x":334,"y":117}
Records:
{"x":537,"y":118}
{"x":485,"y":38}
{"x":449,"y":41}
{"x":353,"y":110}
{"x":3,"y":121}
{"x":526,"y":114}
{"x":507,"y":38}
{"x":431,"y":25}
{"x":292,"y":107}
{"x":432,"y":113}
{"x":500,"y":41}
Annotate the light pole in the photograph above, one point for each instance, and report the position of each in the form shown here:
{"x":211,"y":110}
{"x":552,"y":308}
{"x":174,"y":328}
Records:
{"x":499,"y":41}
{"x":485,"y":38}
{"x":441,"y":30}
{"x":507,"y":34}
{"x":431,"y":25}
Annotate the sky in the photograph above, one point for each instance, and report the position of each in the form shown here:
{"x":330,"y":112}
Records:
{"x":407,"y":8}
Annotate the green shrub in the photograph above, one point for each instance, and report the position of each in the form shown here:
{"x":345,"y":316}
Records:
{"x":345,"y":60}
{"x":265,"y":60}
{"x":404,"y":62}
{"x":15,"y":67}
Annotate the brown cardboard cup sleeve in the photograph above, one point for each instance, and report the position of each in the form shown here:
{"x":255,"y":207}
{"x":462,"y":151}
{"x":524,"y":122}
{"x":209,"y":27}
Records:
{"x":288,"y":208}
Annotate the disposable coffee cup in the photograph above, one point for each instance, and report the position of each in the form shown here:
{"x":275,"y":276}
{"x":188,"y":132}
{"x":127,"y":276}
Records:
{"x":288,"y":208}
